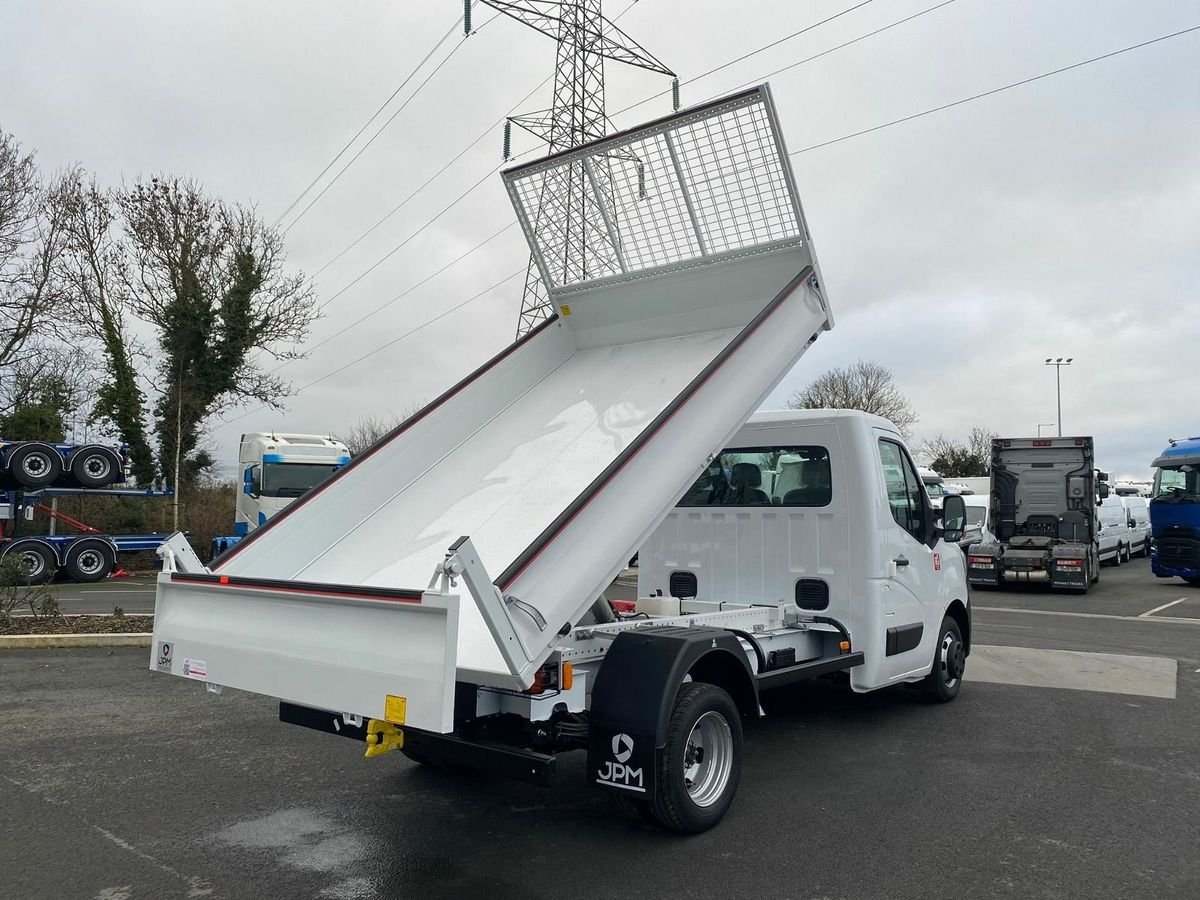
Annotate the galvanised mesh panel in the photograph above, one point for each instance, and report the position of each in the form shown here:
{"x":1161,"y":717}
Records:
{"x":703,"y":184}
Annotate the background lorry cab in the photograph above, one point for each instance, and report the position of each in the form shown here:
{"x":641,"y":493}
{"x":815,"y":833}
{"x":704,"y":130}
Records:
{"x":823,"y":507}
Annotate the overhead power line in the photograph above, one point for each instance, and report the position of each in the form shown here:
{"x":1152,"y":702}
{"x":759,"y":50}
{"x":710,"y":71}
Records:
{"x":382,"y":128}
{"x":382,"y":106}
{"x":745,"y":56}
{"x":428,"y":181}
{"x":390,"y":343}
{"x":993,"y":91}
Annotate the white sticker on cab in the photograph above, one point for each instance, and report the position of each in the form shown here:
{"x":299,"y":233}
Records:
{"x":195,"y":668}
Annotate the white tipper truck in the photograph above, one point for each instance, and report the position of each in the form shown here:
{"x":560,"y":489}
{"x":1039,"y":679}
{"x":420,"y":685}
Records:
{"x":439,"y":594}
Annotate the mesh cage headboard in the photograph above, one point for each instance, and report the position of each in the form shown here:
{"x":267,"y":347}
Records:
{"x":703,"y":185}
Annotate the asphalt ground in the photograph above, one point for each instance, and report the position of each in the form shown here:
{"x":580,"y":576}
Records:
{"x":117,"y":784}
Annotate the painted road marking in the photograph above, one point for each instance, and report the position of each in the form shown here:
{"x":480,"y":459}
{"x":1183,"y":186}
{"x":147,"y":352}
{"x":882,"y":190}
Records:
{"x":1167,"y":620}
{"x":1151,"y":612}
{"x":1110,"y":673}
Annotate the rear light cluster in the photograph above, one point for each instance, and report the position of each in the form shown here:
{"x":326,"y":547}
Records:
{"x":1069,"y":563}
{"x":979,"y":560}
{"x":552,"y":677}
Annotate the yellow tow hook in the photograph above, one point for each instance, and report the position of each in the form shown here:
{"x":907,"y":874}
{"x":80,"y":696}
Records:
{"x":382,"y":737}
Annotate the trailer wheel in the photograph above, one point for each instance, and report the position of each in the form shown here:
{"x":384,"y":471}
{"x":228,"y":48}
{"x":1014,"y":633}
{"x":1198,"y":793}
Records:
{"x":38,"y":560}
{"x":93,"y":467}
{"x":89,"y":560}
{"x":701,"y":764}
{"x":949,"y":662}
{"x":35,"y":464}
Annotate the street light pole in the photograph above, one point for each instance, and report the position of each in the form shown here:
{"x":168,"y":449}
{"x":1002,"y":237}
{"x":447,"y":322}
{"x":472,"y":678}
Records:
{"x":1058,"y":363}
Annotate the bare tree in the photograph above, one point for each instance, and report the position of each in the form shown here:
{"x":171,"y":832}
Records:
{"x":865,"y":386}
{"x":959,"y":459}
{"x":89,"y":270}
{"x":30,"y":242}
{"x":369,"y":430}
{"x":209,"y":278}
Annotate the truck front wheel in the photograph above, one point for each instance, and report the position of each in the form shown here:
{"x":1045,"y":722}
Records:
{"x":949,"y":662}
{"x":701,"y":763}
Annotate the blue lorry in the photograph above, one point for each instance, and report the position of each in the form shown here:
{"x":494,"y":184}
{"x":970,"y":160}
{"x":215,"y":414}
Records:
{"x":1175,"y":512}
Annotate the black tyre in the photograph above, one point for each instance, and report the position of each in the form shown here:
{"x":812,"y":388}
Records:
{"x":1128,"y":553}
{"x":95,"y":467}
{"x":39,"y":560}
{"x":89,"y":560}
{"x":949,"y":663}
{"x":701,"y":764}
{"x":1118,"y":558}
{"x":35,"y":464}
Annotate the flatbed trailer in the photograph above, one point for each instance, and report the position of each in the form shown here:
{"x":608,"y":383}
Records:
{"x":84,"y":557}
{"x":438,"y":595}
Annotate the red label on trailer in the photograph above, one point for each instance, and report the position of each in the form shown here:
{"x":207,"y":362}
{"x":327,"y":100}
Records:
{"x":937,"y":562}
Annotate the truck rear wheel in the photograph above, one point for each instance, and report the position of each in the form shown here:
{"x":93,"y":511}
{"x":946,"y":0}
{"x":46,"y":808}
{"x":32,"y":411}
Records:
{"x":35,"y":465}
{"x":89,"y":560}
{"x":949,"y":662}
{"x":37,"y":558}
{"x":94,"y":467}
{"x":701,"y":763}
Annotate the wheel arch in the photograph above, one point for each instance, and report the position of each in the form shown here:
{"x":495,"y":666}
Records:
{"x":635,"y":690}
{"x":957,"y":610}
{"x":51,"y":548}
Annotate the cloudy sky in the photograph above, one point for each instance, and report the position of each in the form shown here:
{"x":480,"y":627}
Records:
{"x":1061,"y":218}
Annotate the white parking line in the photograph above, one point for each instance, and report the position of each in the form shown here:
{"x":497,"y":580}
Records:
{"x":1151,"y":612}
{"x":1110,"y":673}
{"x":1166,"y":620}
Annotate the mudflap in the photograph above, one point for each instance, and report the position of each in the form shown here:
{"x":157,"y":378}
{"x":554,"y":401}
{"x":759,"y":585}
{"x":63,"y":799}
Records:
{"x":635,"y":693}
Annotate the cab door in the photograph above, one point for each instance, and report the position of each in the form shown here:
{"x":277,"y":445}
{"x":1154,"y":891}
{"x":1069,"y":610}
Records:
{"x":912,"y":568}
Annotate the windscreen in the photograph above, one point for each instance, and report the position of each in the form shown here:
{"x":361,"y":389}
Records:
{"x":975,"y":516}
{"x":1177,"y":486}
{"x":293,"y":479}
{"x":764,"y":476}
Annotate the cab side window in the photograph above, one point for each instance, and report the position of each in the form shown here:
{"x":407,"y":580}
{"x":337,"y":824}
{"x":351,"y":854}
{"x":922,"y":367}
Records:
{"x":903,"y":488}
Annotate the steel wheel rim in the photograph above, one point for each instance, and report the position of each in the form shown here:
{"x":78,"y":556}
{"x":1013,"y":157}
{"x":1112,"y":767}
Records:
{"x":708,"y":759}
{"x":950,"y":660}
{"x":34,"y":562}
{"x":97,"y":467}
{"x":90,"y":562}
{"x":35,"y":465}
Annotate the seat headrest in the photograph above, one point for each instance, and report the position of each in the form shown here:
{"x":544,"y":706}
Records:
{"x":745,"y":475}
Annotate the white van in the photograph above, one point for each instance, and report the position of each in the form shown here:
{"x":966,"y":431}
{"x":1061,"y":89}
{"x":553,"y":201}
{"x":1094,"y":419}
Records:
{"x":1138,"y":509}
{"x":979,"y":514}
{"x":1114,"y":535}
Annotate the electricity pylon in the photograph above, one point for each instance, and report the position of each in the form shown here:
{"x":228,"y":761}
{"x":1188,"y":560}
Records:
{"x":576,"y":115}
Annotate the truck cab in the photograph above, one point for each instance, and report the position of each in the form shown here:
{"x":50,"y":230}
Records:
{"x":824,"y":509}
{"x":277,"y":468}
{"x":1045,"y":515}
{"x":1175,"y":512}
{"x":274,"y":469}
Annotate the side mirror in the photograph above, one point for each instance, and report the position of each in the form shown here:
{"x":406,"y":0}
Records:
{"x":1103,"y":490}
{"x":954,"y":518}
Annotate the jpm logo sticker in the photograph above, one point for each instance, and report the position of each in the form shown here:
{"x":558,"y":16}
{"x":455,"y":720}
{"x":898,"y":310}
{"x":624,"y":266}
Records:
{"x":937,"y":562}
{"x":164,"y":657}
{"x":615,"y":772}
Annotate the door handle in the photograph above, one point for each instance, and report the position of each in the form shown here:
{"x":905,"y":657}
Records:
{"x":901,"y":561}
